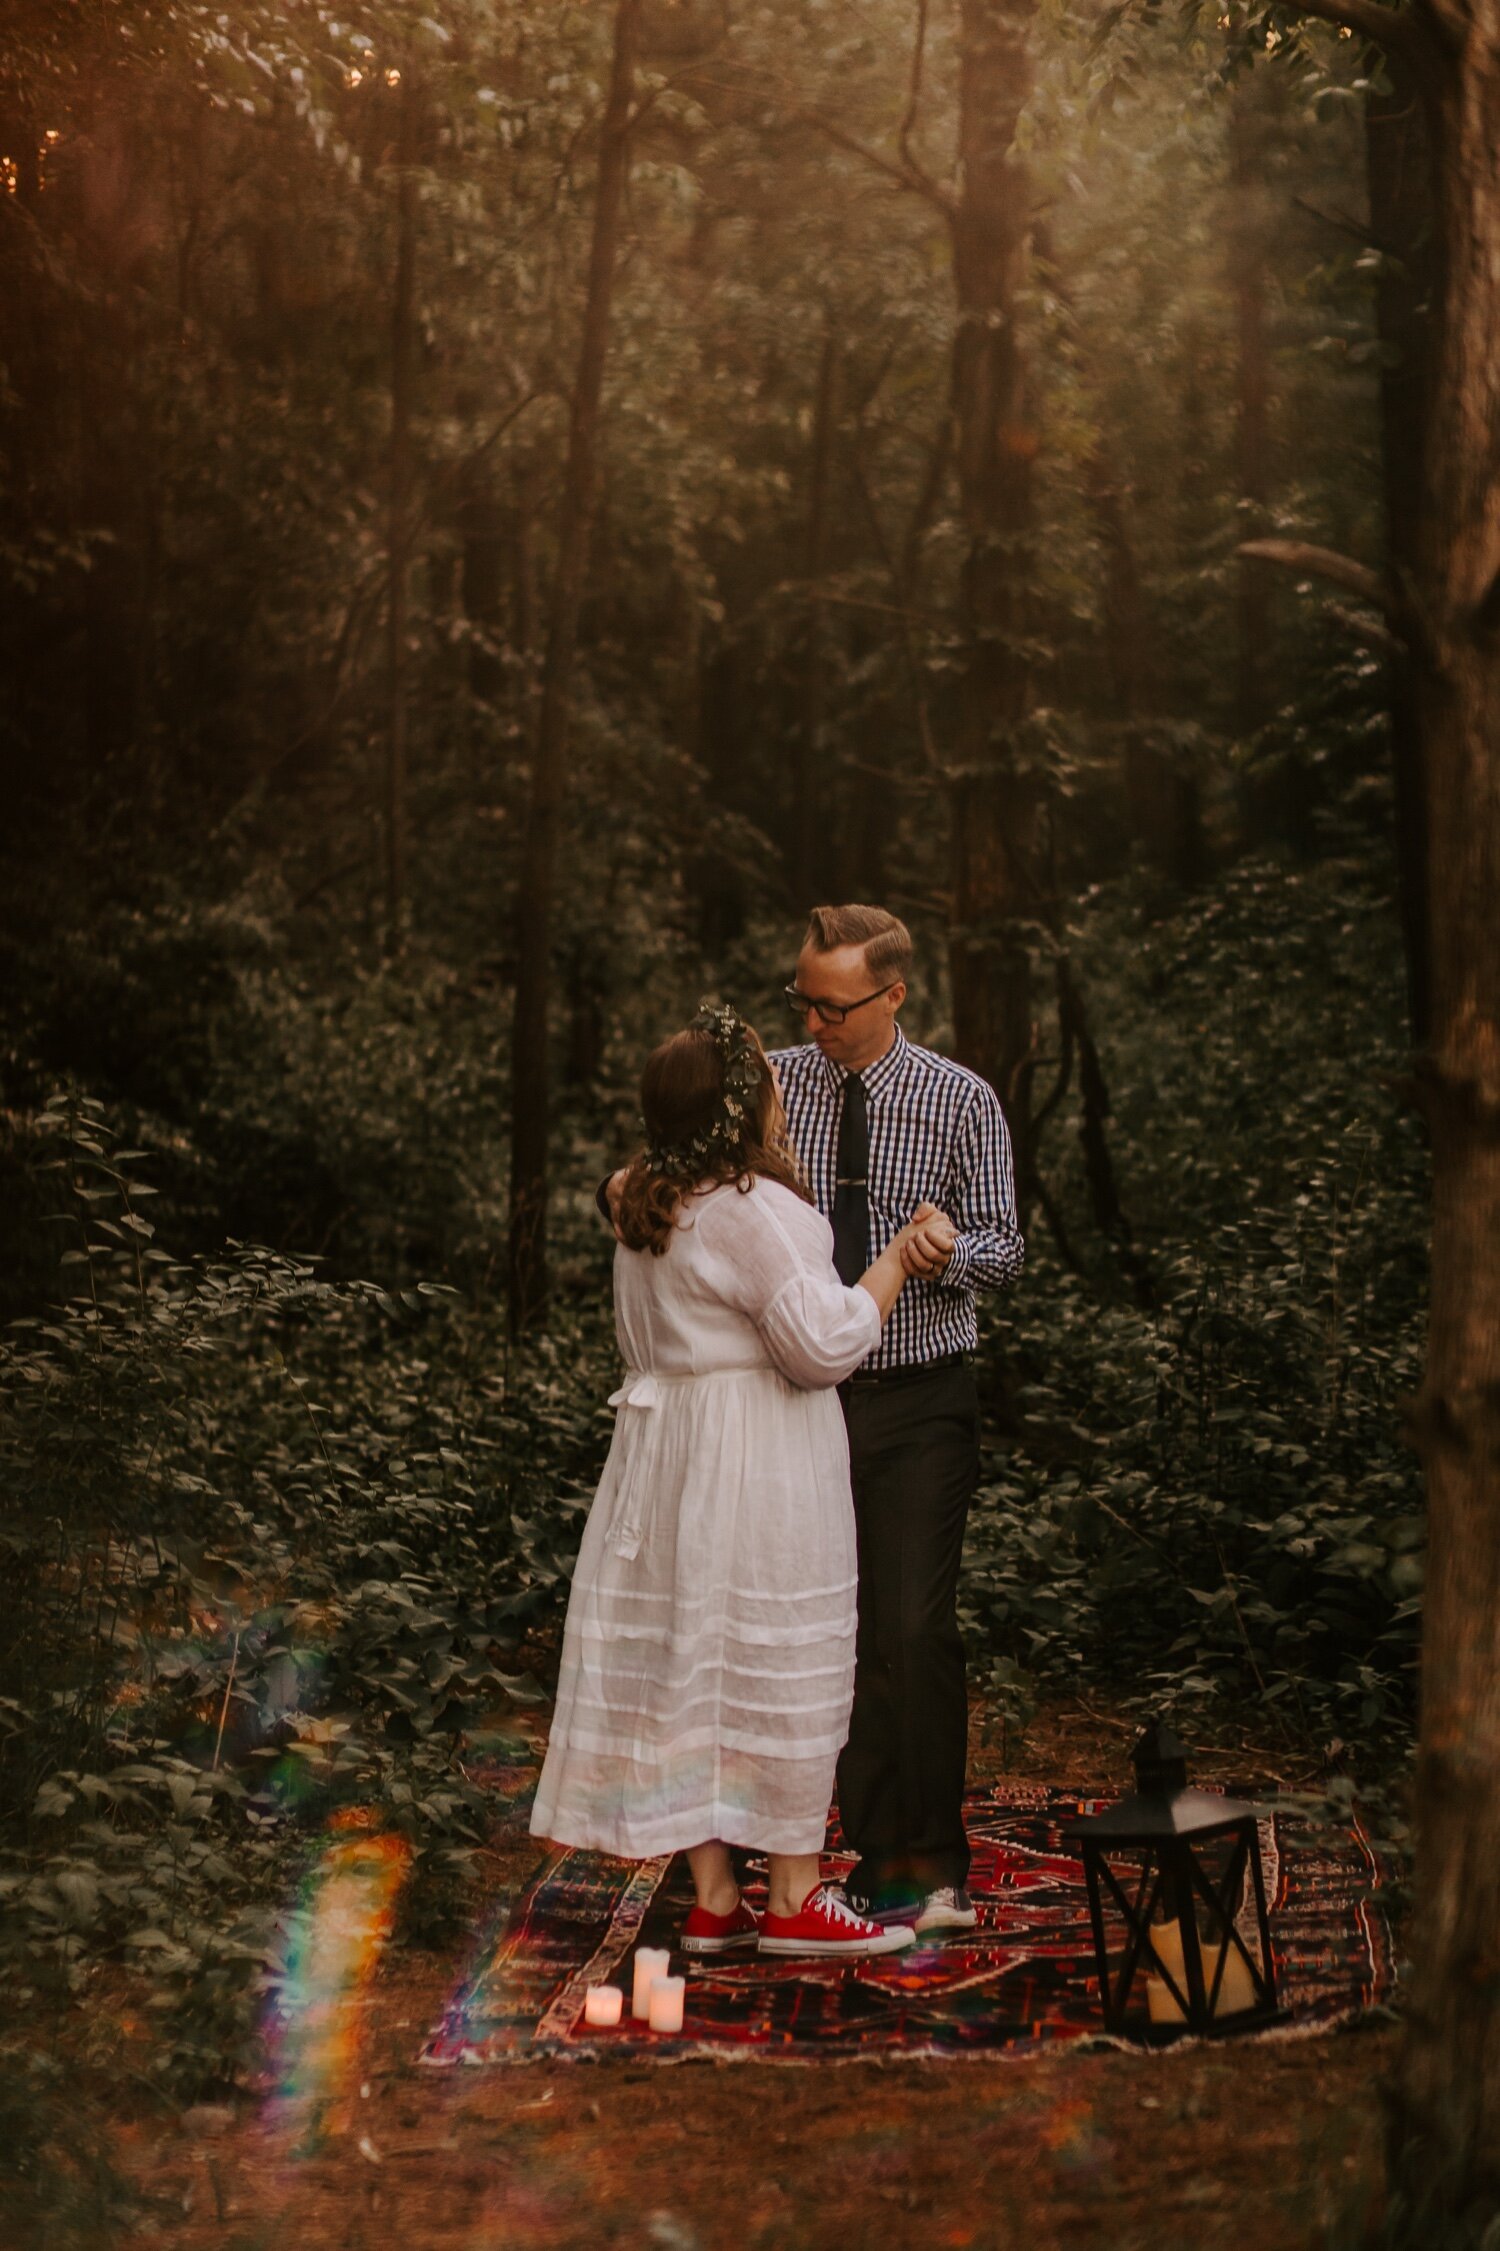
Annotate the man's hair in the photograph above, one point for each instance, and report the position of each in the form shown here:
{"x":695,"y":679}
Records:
{"x":886,"y":940}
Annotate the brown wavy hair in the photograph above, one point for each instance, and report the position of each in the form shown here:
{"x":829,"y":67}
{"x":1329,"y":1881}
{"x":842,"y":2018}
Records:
{"x":682,"y":1093}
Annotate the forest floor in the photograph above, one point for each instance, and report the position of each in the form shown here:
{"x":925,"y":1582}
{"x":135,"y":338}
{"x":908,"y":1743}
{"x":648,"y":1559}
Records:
{"x":1272,"y":2144}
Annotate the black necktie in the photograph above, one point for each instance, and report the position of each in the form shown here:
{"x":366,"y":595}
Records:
{"x":851,"y":1194}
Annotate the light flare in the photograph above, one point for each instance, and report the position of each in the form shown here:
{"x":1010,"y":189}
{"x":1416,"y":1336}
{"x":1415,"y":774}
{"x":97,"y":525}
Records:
{"x":316,"y":2031}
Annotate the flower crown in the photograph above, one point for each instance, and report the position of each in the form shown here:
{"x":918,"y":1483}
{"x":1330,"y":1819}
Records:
{"x":744,"y":1074}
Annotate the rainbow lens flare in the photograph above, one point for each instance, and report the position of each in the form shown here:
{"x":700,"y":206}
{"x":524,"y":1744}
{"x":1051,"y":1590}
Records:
{"x":316,"y":2029}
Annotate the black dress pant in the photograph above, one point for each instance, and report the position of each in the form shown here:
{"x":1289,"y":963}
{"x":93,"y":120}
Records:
{"x":914,"y":1464}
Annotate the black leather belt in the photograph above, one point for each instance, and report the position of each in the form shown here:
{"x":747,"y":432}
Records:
{"x":907,"y":1374}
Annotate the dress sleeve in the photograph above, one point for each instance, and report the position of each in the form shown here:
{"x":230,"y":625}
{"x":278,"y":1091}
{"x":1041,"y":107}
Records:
{"x":814,"y":1329}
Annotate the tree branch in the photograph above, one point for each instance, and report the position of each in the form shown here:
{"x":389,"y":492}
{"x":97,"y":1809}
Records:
{"x":1400,"y":605}
{"x":927,"y":500}
{"x":913,"y":100}
{"x":1324,"y":562}
{"x":905,"y":174}
{"x":903,"y":171}
{"x":899,"y":582}
{"x":811,"y":593}
{"x":1342,"y":221}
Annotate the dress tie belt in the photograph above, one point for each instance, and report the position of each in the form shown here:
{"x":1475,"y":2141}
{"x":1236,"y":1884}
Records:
{"x":638,"y":1390}
{"x":643,"y":1391}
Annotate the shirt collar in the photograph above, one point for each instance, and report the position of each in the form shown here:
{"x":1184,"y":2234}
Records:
{"x":877,"y":1076}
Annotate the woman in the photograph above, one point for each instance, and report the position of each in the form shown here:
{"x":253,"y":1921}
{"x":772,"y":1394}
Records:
{"x":708,"y":1657}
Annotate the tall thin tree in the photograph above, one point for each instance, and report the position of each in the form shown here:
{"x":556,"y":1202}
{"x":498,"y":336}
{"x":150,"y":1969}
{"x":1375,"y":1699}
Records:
{"x":398,"y":528}
{"x":1445,"y":2139}
{"x":1398,"y":171}
{"x":530,"y":1067}
{"x":809,"y":832}
{"x":997,"y":797}
{"x":1247,"y":261}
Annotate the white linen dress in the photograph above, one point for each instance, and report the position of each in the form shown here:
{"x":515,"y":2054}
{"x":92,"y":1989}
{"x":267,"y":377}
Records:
{"x":708,"y":1656}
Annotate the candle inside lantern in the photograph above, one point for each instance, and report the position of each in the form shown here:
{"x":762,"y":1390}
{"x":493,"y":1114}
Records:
{"x":650,"y":1962}
{"x":1236,"y":1988}
{"x":666,"y":2003}
{"x":602,"y":2004}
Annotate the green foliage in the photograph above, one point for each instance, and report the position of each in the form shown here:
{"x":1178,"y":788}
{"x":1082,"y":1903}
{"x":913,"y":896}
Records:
{"x":1212,"y":1494}
{"x":280,"y":1542}
{"x":272,"y":1547}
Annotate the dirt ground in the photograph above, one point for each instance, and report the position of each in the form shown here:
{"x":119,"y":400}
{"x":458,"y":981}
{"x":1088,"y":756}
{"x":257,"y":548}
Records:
{"x":1265,"y":2144}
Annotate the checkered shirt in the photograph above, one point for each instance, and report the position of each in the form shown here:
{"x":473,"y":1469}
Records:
{"x":937,"y":1135}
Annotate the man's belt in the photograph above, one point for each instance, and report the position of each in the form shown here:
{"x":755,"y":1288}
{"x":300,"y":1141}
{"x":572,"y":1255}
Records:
{"x":908,"y":1372}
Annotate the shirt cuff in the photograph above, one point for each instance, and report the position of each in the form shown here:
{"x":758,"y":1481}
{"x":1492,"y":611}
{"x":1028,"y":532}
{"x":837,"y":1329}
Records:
{"x":955,"y":1275}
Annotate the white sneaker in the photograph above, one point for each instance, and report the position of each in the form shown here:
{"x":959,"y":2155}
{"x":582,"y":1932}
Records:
{"x":949,"y":1908}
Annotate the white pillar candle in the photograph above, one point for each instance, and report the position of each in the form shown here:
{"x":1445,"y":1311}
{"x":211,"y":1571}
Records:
{"x":650,"y":1962}
{"x":1236,"y":1988}
{"x":666,"y":2003}
{"x":602,"y":2004}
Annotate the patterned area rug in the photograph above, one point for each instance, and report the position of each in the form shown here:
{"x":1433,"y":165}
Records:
{"x":1025,"y":1976}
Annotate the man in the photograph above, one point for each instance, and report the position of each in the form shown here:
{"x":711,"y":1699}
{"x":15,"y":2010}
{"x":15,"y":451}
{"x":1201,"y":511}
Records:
{"x":882,"y":1126}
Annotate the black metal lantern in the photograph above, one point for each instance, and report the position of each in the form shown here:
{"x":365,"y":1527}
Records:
{"x":1170,"y":1872}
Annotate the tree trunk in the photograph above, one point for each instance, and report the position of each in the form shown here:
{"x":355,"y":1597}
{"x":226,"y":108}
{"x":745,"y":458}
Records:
{"x":1162,"y":797}
{"x":110,"y":608}
{"x":482,"y":579}
{"x":398,"y":537}
{"x":1247,"y":252}
{"x":1397,"y":169}
{"x":716,"y":878}
{"x":109,"y":491}
{"x":997,"y":800}
{"x":811,"y":785}
{"x":529,"y":1056}
{"x":1447,"y":2132}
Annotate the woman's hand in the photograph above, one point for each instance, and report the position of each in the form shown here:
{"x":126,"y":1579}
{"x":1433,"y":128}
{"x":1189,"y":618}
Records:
{"x":908,"y":1253}
{"x":926,"y":1241}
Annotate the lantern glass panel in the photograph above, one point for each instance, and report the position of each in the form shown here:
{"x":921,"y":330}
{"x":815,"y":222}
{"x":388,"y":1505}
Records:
{"x":1178,"y":1924}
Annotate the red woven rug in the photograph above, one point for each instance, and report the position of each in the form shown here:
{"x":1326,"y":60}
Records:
{"x":1024,"y":1977}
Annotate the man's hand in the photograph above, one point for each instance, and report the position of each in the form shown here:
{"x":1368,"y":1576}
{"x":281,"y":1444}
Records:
{"x":614,"y":1190}
{"x":927,"y":1244}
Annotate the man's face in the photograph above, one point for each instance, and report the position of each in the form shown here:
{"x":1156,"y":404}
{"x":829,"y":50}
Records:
{"x":842,"y":977}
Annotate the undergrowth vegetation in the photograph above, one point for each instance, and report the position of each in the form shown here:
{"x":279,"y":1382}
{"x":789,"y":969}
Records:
{"x":1207,"y":1491}
{"x":275,"y":1551}
{"x":286,"y":1549}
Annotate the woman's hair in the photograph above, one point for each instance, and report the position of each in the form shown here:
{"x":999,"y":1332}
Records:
{"x":710,"y":1116}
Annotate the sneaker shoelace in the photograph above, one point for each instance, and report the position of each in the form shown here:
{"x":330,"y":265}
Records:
{"x":835,"y":1908}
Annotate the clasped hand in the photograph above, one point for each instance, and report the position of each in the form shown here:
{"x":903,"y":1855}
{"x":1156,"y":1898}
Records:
{"x":926,"y":1242}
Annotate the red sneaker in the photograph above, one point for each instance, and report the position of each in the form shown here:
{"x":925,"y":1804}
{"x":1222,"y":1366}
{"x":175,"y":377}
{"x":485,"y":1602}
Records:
{"x":826,"y":1924}
{"x":703,"y":1933}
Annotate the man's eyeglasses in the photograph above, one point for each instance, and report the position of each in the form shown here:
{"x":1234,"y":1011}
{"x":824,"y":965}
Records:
{"x":829,"y":1011}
